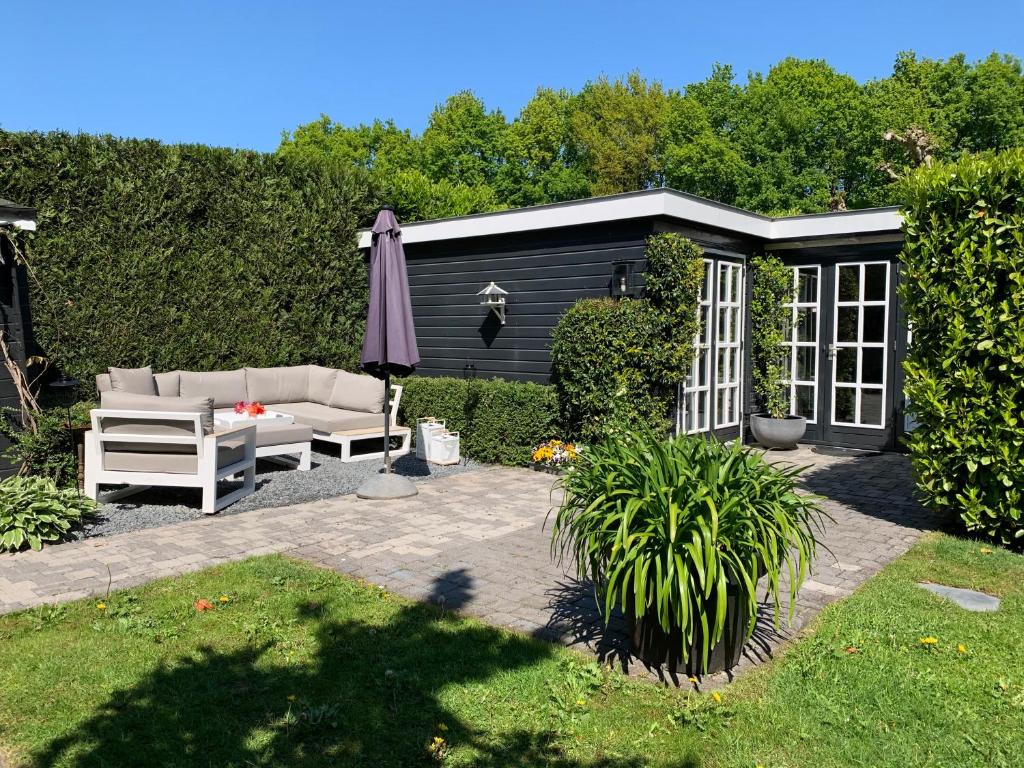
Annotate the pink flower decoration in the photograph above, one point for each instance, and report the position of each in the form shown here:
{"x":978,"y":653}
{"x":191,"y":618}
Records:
{"x":240,"y":407}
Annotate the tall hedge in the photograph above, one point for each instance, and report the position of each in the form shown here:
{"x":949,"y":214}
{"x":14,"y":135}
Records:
{"x":616,"y":364}
{"x":963,"y":291}
{"x":500,"y":422}
{"x":186,"y":256}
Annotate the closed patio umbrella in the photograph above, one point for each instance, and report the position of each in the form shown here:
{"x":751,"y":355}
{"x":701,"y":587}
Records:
{"x":389,"y":345}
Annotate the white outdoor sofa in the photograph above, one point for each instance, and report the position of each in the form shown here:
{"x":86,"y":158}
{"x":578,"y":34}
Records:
{"x":177,"y":448}
{"x":339,"y":407}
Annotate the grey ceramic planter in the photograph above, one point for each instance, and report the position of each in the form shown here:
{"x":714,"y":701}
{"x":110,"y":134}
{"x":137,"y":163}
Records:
{"x":778,"y":433}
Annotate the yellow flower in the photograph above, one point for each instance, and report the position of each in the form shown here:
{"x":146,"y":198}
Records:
{"x":101,"y":606}
{"x":442,"y":727}
{"x":716,"y":696}
{"x":291,"y":697}
{"x":580,"y":703}
{"x":985,"y":551}
{"x":224,"y":598}
{"x":929,"y":640}
{"x":961,"y":648}
{"x":693,"y":680}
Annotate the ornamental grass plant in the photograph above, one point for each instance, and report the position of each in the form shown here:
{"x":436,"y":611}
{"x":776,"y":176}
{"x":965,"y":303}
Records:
{"x":664,"y":528}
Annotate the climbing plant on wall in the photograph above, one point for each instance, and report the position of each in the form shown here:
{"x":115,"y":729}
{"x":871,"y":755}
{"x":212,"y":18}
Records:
{"x":616,"y":363}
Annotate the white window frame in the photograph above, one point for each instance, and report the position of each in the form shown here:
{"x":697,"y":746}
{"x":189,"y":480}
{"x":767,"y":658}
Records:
{"x":692,"y":390}
{"x":733,"y":347}
{"x":796,"y":307}
{"x":860,"y":345}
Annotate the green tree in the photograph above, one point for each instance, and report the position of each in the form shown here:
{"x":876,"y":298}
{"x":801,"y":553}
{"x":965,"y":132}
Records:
{"x":540,"y":161}
{"x":804,"y":129}
{"x":462,"y":141}
{"x":619,"y":130}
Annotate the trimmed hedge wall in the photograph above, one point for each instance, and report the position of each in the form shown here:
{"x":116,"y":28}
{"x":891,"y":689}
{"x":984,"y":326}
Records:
{"x":964,"y":296}
{"x":499,"y":422}
{"x":186,"y":256}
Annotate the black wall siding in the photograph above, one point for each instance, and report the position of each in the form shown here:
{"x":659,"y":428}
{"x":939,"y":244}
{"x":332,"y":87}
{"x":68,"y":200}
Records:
{"x":16,"y":326}
{"x":544,"y":272}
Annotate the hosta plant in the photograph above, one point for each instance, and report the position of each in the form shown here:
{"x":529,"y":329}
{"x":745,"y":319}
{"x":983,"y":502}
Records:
{"x":666,"y":528}
{"x":33,"y":510}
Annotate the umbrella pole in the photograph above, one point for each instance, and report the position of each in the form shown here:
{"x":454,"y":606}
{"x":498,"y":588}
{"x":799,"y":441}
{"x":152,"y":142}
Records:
{"x":387,"y":422}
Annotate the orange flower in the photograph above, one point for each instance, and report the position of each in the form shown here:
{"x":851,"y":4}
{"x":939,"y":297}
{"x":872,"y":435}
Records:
{"x":202,"y":605}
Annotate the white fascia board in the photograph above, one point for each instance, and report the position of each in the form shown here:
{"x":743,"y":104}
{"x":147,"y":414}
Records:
{"x":26,"y":224}
{"x":648,"y":204}
{"x":865,"y":222}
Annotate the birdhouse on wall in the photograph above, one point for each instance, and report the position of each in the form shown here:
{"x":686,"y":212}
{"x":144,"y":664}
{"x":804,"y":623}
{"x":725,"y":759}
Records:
{"x":494,"y":299}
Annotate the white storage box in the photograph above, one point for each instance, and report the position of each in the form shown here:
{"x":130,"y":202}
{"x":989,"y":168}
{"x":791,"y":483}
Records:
{"x":443,"y":448}
{"x":425,"y":427}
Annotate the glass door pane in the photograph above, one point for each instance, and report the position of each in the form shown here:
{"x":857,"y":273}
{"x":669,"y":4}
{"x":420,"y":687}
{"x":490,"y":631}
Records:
{"x":859,"y":352}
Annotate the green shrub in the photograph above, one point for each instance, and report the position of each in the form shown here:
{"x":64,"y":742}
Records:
{"x":616,"y":364}
{"x":667,"y":525}
{"x":769,"y":318}
{"x":33,"y":510}
{"x":499,"y":421}
{"x":185,"y":256}
{"x":963,"y":292}
{"x":49,"y":451}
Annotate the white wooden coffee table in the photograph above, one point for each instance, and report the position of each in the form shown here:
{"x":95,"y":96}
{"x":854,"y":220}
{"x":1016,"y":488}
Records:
{"x":232,"y":419}
{"x":291,"y":453}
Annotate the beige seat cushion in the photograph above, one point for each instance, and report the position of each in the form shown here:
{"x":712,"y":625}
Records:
{"x":273,"y":432}
{"x":321,"y":384}
{"x":323,"y":418}
{"x":125,"y":401}
{"x":138,"y":381}
{"x":174,"y":463}
{"x":277,"y":385}
{"x":357,"y":392}
{"x":225,"y":387}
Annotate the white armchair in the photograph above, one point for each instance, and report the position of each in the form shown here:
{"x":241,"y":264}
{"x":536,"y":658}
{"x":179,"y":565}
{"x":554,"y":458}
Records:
{"x":147,"y":448}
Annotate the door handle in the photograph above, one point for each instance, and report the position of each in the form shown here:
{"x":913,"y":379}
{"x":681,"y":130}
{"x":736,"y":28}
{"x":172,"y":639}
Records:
{"x":831,"y":349}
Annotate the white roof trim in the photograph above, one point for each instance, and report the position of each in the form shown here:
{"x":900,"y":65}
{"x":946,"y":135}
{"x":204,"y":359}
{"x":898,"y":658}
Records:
{"x":650,"y":203}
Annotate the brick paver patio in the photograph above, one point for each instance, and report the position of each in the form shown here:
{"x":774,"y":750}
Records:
{"x":474,"y":542}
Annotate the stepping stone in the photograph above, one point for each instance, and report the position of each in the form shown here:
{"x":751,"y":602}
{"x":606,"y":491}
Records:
{"x":968,"y":599}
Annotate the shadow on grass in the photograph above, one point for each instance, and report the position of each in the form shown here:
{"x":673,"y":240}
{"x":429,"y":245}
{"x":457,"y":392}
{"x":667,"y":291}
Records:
{"x":370,"y":695}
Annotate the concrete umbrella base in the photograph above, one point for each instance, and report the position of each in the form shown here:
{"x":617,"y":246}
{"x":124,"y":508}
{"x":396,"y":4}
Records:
{"x":387,"y":486}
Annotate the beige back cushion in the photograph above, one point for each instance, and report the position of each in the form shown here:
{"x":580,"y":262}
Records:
{"x":357,"y":392}
{"x":321,"y":384}
{"x":225,"y":387}
{"x":138,"y":381}
{"x":126,"y":401}
{"x":168,"y":384}
{"x":277,"y":385}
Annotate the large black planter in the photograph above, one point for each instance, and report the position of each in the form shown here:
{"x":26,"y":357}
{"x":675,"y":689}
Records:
{"x":657,"y":648}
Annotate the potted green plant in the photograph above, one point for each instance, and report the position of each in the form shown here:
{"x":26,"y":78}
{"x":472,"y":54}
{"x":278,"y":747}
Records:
{"x":676,"y":533}
{"x":770,"y":321}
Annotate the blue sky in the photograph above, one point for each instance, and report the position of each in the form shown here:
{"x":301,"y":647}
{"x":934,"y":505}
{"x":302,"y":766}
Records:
{"x":235,"y":73}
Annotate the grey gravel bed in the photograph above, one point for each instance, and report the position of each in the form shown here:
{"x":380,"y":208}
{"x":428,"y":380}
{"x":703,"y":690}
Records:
{"x":276,"y":486}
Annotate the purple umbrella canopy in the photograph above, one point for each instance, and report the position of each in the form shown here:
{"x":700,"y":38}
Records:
{"x":389,"y":345}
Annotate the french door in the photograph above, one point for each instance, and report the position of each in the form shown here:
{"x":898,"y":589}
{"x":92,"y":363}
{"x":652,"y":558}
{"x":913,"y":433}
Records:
{"x":711,"y":399}
{"x":842,"y":352}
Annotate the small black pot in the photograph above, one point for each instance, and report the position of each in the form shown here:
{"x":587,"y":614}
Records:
{"x":658,"y":648}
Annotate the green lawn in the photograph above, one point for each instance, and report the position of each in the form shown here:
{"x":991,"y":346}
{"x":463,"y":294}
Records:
{"x":301,"y":667}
